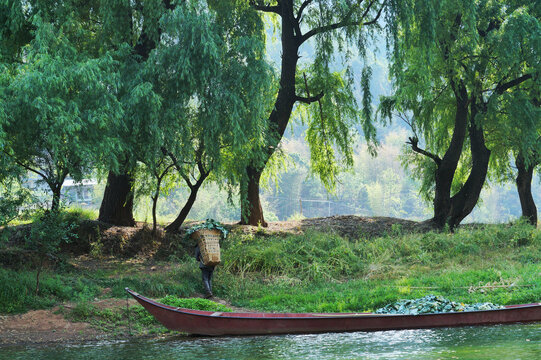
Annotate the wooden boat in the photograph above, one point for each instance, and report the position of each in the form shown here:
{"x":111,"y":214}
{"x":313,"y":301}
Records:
{"x":224,"y":323}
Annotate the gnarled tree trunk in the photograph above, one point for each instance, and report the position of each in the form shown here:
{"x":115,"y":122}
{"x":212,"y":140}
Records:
{"x":446,"y":167}
{"x":117,"y":203}
{"x":465,"y":200}
{"x":452,"y":210}
{"x":251,"y":210}
{"x":56,"y":189}
{"x":524,"y":188}
{"x":177,"y":223}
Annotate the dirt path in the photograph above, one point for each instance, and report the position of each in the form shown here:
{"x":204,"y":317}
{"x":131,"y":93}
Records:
{"x":49,"y":326}
{"x":43,"y":326}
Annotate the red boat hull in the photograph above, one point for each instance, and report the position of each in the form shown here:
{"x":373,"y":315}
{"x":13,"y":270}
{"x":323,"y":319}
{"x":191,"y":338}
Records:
{"x":217,"y":323}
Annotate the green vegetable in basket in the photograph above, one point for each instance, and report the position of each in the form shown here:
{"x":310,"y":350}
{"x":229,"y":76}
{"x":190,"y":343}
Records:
{"x":208,"y":224}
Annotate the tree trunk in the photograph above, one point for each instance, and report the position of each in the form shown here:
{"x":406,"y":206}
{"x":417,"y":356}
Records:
{"x":117,"y":204}
{"x":465,"y":200}
{"x":177,"y":223}
{"x":155,"y":198}
{"x":278,"y":119}
{"x":154,"y":205}
{"x":38,"y":272}
{"x":55,"y":204}
{"x":445,"y":171}
{"x":251,"y":210}
{"x":524,"y":187}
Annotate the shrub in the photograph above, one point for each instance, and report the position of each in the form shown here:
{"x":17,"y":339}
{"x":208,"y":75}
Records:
{"x":48,"y":232}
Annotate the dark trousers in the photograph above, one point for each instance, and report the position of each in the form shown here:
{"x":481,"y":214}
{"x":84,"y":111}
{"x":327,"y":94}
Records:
{"x":206,"y":273}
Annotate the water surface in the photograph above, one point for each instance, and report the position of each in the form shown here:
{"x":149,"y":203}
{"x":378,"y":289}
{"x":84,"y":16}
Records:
{"x":486,"y":342}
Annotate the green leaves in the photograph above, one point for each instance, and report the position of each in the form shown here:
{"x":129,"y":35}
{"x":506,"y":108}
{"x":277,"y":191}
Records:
{"x":59,"y":101}
{"x":331,"y":120}
{"x":488,"y":48}
{"x":431,"y":304}
{"x":48,"y":232}
{"x":208,"y":224}
{"x":210,"y":72}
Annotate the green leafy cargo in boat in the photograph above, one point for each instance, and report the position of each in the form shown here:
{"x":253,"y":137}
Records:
{"x":433,"y":304}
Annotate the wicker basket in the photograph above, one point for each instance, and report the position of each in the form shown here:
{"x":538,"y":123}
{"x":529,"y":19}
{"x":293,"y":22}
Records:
{"x":209,"y":245}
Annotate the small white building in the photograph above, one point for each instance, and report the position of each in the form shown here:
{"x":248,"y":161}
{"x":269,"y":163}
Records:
{"x":79,"y":193}
{"x":73,"y":193}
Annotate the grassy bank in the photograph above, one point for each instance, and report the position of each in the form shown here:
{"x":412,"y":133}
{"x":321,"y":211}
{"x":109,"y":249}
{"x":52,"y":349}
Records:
{"x":312,"y":272}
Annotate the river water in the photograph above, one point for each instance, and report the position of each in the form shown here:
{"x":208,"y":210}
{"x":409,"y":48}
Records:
{"x":522,"y":341}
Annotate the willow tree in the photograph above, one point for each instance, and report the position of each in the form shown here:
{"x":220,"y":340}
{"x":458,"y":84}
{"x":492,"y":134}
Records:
{"x":517,"y":152}
{"x":325,"y":95}
{"x":211,"y":73}
{"x":191,"y":83}
{"x":106,"y":31}
{"x":57,"y":95}
{"x":526,"y":161}
{"x":455,"y":64}
{"x":130,"y":29}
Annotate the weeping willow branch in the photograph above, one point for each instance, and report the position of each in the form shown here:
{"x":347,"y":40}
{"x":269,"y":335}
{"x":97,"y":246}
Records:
{"x":323,"y":129}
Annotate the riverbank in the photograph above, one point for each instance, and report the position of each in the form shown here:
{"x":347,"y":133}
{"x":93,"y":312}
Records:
{"x":316,"y":265}
{"x":63,"y":324}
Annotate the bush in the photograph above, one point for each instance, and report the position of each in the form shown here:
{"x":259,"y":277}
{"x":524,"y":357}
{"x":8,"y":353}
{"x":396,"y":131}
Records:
{"x":48,"y":232}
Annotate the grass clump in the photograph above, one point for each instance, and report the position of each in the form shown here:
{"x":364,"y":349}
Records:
{"x":18,"y":293}
{"x":194,"y":303}
{"x":77,"y":214}
{"x":311,"y":256}
{"x":134,"y":320}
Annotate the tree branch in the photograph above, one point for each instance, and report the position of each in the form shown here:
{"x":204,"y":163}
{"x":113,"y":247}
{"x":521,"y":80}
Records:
{"x":413,"y":141}
{"x":168,"y":5}
{"x":501,"y":88}
{"x":345,"y":22}
{"x":494,"y":24}
{"x":266,"y":8}
{"x":177,"y":165}
{"x":375,"y":19}
{"x":309,"y":99}
{"x":27,"y":167}
{"x":162,"y":175}
{"x":202,"y":172}
{"x":186,"y":179}
{"x":301,"y":9}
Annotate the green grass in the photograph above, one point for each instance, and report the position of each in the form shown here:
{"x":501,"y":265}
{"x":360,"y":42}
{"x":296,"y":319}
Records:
{"x":314,"y":272}
{"x":195,"y":303}
{"x":18,"y":287}
{"x":134,"y":320}
{"x":18,"y":290}
{"x":73,"y":213}
{"x":313,"y":256}
{"x":81,"y":213}
{"x":495,"y":263}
